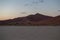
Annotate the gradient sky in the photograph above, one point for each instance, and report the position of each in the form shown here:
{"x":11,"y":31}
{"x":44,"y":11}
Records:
{"x":17,"y":8}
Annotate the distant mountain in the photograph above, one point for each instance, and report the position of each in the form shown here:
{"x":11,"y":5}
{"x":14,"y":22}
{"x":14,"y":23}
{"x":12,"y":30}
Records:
{"x":55,"y":21}
{"x":38,"y":17}
{"x":33,"y":20}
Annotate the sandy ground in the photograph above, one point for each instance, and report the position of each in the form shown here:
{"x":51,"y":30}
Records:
{"x":29,"y":33}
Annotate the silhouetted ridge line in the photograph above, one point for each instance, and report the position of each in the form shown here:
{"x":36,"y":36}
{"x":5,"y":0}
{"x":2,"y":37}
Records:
{"x":35,"y":20}
{"x":38,"y":17}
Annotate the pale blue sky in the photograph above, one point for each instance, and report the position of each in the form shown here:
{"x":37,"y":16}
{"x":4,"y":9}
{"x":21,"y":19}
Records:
{"x":17,"y":8}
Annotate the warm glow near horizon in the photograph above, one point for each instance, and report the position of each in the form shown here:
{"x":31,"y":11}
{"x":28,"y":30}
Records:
{"x":18,"y":8}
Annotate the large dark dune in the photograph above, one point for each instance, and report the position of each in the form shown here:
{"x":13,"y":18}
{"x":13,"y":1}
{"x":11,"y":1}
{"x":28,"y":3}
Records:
{"x":33,"y":20}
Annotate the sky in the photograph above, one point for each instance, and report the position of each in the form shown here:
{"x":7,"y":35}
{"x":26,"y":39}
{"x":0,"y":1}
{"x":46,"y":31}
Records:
{"x":18,"y":8}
